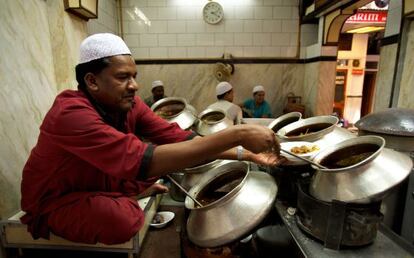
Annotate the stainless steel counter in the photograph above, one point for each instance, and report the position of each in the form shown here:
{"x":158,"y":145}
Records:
{"x":384,"y":245}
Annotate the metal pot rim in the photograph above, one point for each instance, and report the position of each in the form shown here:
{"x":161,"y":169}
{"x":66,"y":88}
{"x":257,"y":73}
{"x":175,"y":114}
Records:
{"x":204,"y":128}
{"x":211,"y":110}
{"x":284,"y":117}
{"x":377,"y":140}
{"x":189,"y":204}
{"x":196,"y":169}
{"x":333,"y":120}
{"x":168,"y":99}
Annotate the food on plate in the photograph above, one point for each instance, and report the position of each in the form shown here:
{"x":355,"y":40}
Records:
{"x":304,"y":149}
{"x":158,"y":219}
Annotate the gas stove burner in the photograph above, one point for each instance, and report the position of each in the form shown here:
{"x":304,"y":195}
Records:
{"x":337,"y":224}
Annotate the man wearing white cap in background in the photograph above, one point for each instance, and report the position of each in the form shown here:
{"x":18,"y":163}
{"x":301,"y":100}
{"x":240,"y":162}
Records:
{"x":257,"y":107}
{"x":157,"y":90}
{"x":225,"y":96}
{"x":89,"y":165}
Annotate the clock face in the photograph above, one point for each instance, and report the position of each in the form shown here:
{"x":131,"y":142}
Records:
{"x":213,"y":12}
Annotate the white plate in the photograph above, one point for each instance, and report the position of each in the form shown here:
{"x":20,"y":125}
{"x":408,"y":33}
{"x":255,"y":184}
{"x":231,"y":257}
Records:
{"x":167,"y":216}
{"x":289,"y":145}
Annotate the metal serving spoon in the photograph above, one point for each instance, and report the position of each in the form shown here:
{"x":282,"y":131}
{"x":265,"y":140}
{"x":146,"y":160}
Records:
{"x":185,"y":191}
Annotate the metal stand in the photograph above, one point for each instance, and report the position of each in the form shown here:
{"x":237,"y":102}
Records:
{"x":383,"y":246}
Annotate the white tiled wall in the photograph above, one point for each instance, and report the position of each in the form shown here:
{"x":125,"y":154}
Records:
{"x":176,"y":29}
{"x":107,"y":18}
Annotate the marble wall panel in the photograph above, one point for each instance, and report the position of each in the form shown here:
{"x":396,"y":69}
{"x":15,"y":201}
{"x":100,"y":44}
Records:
{"x":383,"y":82}
{"x":319,"y":88}
{"x":27,"y":74}
{"x":326,"y":88}
{"x":196,"y":82}
{"x":406,"y":92}
{"x":67,"y":32}
{"x":310,"y":89}
{"x":37,"y":52}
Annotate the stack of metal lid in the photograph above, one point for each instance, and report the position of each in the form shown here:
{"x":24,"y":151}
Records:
{"x":395,"y":125}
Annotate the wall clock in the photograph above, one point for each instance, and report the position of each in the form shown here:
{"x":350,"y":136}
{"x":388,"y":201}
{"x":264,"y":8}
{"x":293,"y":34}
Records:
{"x":213,"y":12}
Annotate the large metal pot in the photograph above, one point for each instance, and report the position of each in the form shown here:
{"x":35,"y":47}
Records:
{"x":193,"y":175}
{"x":176,"y":193}
{"x":309,"y":129}
{"x":395,"y":125}
{"x":246,"y":200}
{"x":175,"y":110}
{"x":212,"y":121}
{"x":359,"y":170}
{"x":284,"y":120}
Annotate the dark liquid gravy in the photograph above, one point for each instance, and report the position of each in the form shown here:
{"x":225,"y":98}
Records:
{"x":212,"y":117}
{"x":349,"y":156}
{"x":284,"y":123}
{"x":307,"y":129}
{"x":219,"y":187}
{"x":169,"y":109}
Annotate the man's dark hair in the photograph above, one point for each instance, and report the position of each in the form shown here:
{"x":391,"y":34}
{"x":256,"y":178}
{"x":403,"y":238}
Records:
{"x":94,"y":66}
{"x":221,"y":96}
{"x":224,"y":94}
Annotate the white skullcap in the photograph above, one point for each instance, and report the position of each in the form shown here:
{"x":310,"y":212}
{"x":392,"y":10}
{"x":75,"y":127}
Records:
{"x":156,"y":84}
{"x":222,"y":88}
{"x":258,"y":88}
{"x":102,"y":45}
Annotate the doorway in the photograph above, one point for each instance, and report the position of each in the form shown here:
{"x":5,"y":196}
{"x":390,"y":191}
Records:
{"x":368,"y":92}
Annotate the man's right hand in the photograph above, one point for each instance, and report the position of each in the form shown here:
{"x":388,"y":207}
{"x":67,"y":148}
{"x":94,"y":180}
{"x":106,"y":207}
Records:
{"x":257,"y":138}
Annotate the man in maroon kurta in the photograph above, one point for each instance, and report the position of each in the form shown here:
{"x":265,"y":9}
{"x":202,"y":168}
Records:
{"x":89,"y":159}
{"x":81,"y":163}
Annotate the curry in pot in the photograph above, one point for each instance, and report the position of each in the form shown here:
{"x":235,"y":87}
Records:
{"x":169,"y":109}
{"x":308,"y":129}
{"x":220,"y":186}
{"x":213,"y":116}
{"x":349,"y":156}
{"x":284,"y":123}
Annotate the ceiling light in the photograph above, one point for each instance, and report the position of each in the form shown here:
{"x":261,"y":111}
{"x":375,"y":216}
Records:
{"x":85,"y":9}
{"x":365,"y":29}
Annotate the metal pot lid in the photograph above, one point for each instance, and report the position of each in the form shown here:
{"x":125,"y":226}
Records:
{"x":393,"y":121}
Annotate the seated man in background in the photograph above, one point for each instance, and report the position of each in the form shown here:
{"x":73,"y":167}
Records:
{"x":225,"y":95}
{"x":157,"y":90}
{"x":257,"y":107}
{"x":88,"y":166}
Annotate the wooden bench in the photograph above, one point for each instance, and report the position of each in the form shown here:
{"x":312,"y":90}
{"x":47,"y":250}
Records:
{"x":14,"y":234}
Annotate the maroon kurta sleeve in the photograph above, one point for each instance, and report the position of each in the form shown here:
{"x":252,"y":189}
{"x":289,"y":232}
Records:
{"x":155,"y":129}
{"x":77,"y":128}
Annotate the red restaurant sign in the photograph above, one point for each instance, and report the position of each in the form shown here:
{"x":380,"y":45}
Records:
{"x":357,"y":71}
{"x":368,"y":17}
